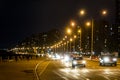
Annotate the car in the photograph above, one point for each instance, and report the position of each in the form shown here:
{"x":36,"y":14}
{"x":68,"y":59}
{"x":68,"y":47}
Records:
{"x":108,"y":59}
{"x":77,"y":61}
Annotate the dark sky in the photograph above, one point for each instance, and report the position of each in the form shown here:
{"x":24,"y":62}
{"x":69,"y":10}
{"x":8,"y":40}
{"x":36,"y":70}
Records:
{"x":21,"y":18}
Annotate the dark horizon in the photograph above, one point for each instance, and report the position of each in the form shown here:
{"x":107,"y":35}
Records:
{"x":20,"y":19}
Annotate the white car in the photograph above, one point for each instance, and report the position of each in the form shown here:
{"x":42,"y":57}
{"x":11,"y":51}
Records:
{"x":77,"y":61}
{"x":108,"y":59}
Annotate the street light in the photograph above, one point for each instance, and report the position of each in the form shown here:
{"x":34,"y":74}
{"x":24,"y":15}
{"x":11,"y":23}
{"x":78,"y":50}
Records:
{"x":70,"y":43}
{"x":104,"y":12}
{"x":74,"y":41}
{"x":80,"y":36}
{"x":88,"y":24}
{"x":72,"y":24}
{"x":67,"y":46}
{"x":82,"y":12}
{"x":69,"y":31}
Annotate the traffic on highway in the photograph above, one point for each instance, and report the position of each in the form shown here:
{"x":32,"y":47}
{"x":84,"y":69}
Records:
{"x":61,"y":67}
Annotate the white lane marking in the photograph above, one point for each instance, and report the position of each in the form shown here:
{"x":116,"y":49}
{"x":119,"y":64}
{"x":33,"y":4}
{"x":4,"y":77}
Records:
{"x":44,"y":68}
{"x":37,"y":76}
{"x":61,"y":76}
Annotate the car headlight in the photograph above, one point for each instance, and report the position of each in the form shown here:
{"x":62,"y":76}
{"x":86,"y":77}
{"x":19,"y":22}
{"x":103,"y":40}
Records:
{"x":114,"y":59}
{"x":66,"y":58}
{"x":83,"y":62}
{"x":74,"y":62}
{"x":101,"y":60}
{"x":58,"y":56}
{"x":106,"y":59}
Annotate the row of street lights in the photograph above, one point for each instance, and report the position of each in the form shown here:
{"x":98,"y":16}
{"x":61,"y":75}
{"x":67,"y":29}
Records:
{"x":79,"y":31}
{"x":82,"y":12}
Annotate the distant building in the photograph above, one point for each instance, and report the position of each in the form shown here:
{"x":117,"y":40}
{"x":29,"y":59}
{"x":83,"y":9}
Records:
{"x":118,"y":11}
{"x":117,"y":22}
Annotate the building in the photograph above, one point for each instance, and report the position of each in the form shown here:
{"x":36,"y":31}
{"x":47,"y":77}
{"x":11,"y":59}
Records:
{"x":117,"y":23}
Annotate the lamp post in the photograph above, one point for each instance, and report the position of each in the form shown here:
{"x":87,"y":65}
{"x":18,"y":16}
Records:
{"x":92,"y":21}
{"x":80,"y":36}
{"x":74,"y":41}
{"x":70,"y":43}
{"x":67,"y":46}
{"x":82,"y":12}
{"x":69,"y":31}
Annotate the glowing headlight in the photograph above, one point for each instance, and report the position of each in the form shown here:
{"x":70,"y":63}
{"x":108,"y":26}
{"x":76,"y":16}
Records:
{"x":83,"y":62}
{"x":106,"y":59}
{"x":50,"y":56}
{"x":61,"y":57}
{"x":66,"y":58}
{"x":114,"y":59}
{"x":101,"y":60}
{"x":58,"y":56}
{"x":74,"y":62}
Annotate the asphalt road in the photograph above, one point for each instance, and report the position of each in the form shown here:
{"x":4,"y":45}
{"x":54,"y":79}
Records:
{"x":56,"y":70}
{"x":47,"y":69}
{"x":20,"y":70}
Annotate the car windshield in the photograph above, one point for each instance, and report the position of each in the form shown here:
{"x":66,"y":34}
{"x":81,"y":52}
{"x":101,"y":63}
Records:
{"x":110,"y":56}
{"x":78,"y":58}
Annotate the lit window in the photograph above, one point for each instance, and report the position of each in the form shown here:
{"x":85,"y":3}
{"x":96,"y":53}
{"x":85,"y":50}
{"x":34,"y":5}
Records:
{"x":106,"y":26}
{"x":111,"y":28}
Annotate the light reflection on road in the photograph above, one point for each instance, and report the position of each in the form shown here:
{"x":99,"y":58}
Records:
{"x":87,"y":74}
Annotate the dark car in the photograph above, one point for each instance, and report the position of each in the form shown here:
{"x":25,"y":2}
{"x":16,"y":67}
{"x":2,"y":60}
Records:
{"x":108,"y":59}
{"x":77,"y":61}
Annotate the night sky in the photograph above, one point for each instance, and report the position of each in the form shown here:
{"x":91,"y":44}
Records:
{"x":21,"y":18}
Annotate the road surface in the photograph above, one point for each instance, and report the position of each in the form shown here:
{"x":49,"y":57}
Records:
{"x":47,"y":69}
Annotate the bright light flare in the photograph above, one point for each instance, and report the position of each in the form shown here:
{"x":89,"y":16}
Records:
{"x":106,"y":59}
{"x":88,"y":23}
{"x":69,"y":31}
{"x":50,"y":56}
{"x":84,"y":62}
{"x":82,"y":12}
{"x":67,"y":64}
{"x":73,"y":24}
{"x":66,"y":58}
{"x":104,"y":12}
{"x":114,"y":59}
{"x":79,"y":31}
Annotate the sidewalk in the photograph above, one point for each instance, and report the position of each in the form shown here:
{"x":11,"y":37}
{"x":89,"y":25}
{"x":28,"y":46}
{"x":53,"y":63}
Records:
{"x":18,"y":70}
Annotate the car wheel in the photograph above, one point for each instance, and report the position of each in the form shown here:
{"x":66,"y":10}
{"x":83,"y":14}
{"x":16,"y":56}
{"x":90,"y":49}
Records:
{"x":84,"y":65}
{"x":103,"y":64}
{"x":115,"y":64}
{"x":100,"y":64}
{"x":73,"y":66}
{"x":111,"y":64}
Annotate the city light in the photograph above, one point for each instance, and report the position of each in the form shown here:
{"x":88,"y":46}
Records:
{"x":82,"y":12}
{"x":69,"y":31}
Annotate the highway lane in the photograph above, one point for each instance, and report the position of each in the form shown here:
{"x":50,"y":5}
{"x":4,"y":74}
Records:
{"x":47,"y":69}
{"x":55,"y":70}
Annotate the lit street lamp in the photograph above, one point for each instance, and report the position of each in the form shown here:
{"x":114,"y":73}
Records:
{"x":82,"y":12}
{"x":73,"y":24}
{"x":80,"y":36}
{"x":74,"y":41}
{"x":67,"y":46}
{"x":69,"y":31}
{"x":70,"y":43}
